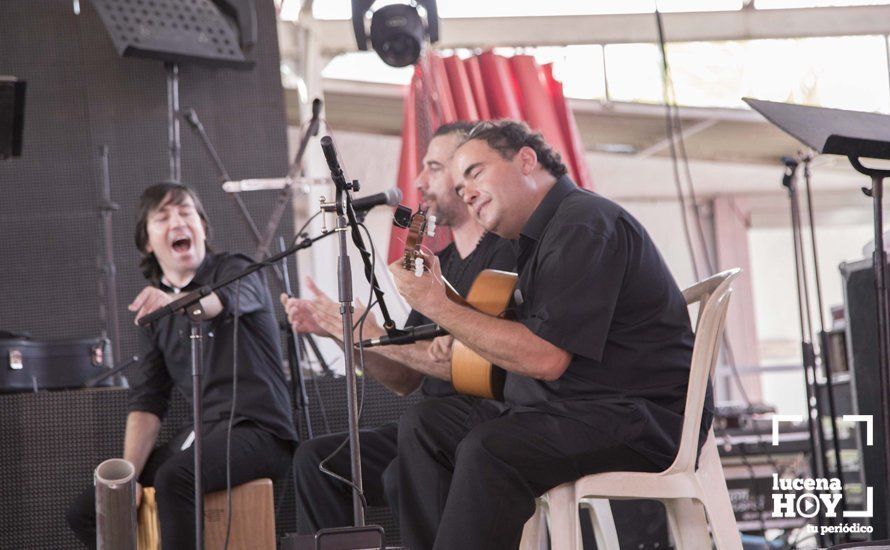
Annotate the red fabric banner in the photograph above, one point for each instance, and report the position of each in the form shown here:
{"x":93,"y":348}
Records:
{"x":485,"y":86}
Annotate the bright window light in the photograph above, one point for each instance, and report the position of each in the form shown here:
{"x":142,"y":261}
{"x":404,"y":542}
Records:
{"x":779,"y":4}
{"x":341,"y":9}
{"x":810,"y":71}
{"x":366,"y":67}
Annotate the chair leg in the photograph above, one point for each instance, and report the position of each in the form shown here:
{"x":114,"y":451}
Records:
{"x":715,"y":498}
{"x":534,"y":531}
{"x":565,"y":529}
{"x":603,"y":523}
{"x":688,"y":524}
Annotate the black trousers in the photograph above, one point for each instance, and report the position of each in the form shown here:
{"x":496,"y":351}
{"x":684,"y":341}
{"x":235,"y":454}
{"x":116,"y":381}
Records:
{"x":327,"y":502}
{"x":255,"y":453}
{"x":469,"y":474}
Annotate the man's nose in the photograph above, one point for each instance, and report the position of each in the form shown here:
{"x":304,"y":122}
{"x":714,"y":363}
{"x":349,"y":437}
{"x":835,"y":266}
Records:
{"x":176,"y":220}
{"x":422,"y":181}
{"x":469,"y":194}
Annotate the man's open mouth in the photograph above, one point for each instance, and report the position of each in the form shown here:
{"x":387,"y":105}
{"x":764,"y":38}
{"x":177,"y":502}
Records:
{"x":182,"y":244}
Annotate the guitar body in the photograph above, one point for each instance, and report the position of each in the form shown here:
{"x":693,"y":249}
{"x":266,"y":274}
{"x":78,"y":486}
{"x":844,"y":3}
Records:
{"x":490,"y":293}
{"x":471,"y":374}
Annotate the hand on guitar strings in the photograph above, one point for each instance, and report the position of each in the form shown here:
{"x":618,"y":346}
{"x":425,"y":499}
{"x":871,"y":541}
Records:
{"x":426,"y":293}
{"x":320,"y":315}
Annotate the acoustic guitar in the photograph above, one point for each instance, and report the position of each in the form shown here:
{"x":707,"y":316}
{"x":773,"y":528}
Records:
{"x":490,"y":293}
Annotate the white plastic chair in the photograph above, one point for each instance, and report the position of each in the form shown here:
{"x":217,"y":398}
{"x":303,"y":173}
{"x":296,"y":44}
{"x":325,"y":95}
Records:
{"x":692,"y":498}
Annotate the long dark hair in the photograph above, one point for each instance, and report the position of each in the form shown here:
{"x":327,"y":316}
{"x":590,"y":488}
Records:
{"x":152,"y":198}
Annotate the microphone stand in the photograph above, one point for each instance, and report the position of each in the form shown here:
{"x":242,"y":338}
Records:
{"x":298,"y":383}
{"x":191,"y":116}
{"x":284,"y":196}
{"x":346,"y":216}
{"x":813,"y":408}
{"x":823,"y":345}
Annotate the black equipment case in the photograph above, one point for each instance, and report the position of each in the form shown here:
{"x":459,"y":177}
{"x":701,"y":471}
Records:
{"x":33,"y":365}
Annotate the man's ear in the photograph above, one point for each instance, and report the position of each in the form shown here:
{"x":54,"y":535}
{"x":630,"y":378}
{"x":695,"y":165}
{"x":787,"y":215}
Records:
{"x":528,"y":160}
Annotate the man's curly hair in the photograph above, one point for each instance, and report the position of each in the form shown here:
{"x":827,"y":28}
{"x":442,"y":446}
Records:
{"x":507,"y":137}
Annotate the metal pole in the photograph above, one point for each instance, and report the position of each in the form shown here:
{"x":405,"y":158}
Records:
{"x":175,"y":148}
{"x":806,"y":346}
{"x":880,"y":263}
{"x":106,"y":208}
{"x":196,"y":313}
{"x":344,"y":273}
{"x":823,"y":340}
{"x":882,"y":303}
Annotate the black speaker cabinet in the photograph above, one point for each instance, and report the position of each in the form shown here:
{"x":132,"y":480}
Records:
{"x":862,"y":349}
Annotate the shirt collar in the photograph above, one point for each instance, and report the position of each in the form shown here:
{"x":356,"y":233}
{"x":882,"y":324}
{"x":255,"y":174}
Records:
{"x":201,"y":278}
{"x":540,"y":218}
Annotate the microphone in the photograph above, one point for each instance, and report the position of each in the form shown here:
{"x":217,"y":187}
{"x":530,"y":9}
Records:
{"x":313,"y":122}
{"x":330,"y":155}
{"x":409,"y":336}
{"x":390,"y":197}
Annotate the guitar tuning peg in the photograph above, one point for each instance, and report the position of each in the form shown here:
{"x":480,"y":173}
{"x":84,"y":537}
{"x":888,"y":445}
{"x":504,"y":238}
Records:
{"x":431,"y":226}
{"x":418,"y":267}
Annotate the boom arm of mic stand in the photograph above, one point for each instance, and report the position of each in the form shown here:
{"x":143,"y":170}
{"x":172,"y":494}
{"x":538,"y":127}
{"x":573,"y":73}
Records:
{"x":284,"y":196}
{"x":195,"y":296}
{"x":192,"y":118}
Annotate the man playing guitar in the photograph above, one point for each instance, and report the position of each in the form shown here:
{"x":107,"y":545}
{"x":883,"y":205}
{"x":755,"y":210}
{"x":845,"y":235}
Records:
{"x":597,"y":360}
{"x":403,"y":369}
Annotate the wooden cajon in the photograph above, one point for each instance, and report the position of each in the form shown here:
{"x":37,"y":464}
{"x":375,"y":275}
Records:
{"x":253,"y":518}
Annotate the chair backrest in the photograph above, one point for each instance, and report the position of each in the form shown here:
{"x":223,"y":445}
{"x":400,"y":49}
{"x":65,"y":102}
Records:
{"x":712,"y":297}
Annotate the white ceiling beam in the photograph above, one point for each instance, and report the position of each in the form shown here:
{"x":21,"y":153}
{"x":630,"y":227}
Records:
{"x":685,"y":133}
{"x":578,"y":106}
{"x":336,"y":36}
{"x":627,"y":177}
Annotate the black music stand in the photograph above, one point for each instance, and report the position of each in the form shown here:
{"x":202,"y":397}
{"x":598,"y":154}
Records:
{"x":855,"y":135}
{"x":174,"y":31}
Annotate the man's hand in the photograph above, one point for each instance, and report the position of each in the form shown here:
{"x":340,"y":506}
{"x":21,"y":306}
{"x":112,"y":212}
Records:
{"x":149,"y":300}
{"x":441,"y":348}
{"x":138,"y":494}
{"x":300,"y":315}
{"x":425,"y":293}
{"x":321,"y":315}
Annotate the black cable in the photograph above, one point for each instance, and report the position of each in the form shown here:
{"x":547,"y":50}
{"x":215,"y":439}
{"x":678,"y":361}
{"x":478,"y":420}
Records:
{"x":672,"y":123}
{"x":232,"y":414}
{"x":666,"y":78}
{"x":299,"y":232}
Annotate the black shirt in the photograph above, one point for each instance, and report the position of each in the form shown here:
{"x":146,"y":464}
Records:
{"x":593,"y":283}
{"x":492,"y":252}
{"x":165,"y":355}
